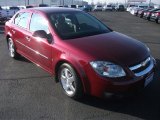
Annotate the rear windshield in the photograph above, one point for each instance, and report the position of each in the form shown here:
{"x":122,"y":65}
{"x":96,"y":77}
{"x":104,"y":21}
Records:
{"x":143,"y":7}
{"x":121,"y":6}
{"x":73,"y":6}
{"x":14,"y":8}
{"x":154,"y":10}
{"x":70,"y":25}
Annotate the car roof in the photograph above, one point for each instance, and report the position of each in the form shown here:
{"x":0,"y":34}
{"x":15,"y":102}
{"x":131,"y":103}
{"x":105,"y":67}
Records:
{"x":51,"y":9}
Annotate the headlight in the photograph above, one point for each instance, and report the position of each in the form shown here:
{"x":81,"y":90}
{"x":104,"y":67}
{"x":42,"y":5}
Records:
{"x":108,"y":69}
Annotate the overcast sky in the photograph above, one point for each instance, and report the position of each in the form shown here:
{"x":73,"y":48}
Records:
{"x":122,"y":1}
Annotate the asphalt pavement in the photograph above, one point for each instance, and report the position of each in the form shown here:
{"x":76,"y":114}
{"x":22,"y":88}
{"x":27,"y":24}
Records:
{"x":29,"y":93}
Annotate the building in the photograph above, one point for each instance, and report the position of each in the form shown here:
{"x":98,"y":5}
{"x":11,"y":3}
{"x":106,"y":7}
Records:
{"x":36,"y":2}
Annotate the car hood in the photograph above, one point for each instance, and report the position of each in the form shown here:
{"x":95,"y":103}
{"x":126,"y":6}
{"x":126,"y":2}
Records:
{"x":114,"y":47}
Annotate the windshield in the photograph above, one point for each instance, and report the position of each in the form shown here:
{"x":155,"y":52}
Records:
{"x":70,"y":25}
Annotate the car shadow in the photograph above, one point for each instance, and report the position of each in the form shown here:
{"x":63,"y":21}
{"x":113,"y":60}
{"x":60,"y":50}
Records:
{"x":23,"y":59}
{"x":145,"y":104}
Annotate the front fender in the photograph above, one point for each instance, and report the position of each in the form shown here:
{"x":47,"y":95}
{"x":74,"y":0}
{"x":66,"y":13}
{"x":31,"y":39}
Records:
{"x":78,"y":64}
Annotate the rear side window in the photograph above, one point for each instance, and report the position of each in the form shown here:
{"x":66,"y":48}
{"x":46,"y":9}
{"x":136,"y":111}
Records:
{"x":21,"y":19}
{"x":38,"y":22}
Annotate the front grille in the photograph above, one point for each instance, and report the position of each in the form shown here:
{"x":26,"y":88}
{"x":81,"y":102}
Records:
{"x":143,"y":67}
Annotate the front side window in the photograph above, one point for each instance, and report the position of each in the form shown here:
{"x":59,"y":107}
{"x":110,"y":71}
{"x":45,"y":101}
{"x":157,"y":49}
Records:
{"x":21,"y":19}
{"x":71,"y":25}
{"x":38,"y":22}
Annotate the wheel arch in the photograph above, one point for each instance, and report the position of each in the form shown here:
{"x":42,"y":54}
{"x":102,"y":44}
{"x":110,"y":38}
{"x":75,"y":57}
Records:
{"x":7,"y":39}
{"x":78,"y":70}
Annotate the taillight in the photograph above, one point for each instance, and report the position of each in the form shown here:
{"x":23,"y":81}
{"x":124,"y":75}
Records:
{"x":157,"y":14}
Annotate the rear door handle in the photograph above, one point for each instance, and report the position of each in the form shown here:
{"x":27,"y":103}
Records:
{"x":27,"y":38}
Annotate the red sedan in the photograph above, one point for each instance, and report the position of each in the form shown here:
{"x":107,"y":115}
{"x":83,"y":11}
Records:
{"x":155,"y":16}
{"x":85,"y":55}
{"x":147,"y":14}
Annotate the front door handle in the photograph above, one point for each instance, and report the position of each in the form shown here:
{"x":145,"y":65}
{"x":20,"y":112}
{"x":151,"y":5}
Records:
{"x":13,"y":31}
{"x":28,"y":38}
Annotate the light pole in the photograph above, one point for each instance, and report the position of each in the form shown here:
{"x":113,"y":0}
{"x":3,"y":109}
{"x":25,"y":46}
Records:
{"x":63,"y":2}
{"x":28,"y":2}
{"x":42,"y":1}
{"x":149,"y":3}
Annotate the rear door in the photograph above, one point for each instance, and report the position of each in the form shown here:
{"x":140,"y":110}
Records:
{"x":19,"y":30}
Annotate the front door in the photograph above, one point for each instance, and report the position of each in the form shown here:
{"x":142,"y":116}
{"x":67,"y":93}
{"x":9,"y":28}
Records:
{"x":40,"y":49}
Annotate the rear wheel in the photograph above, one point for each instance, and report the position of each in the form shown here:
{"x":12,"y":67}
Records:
{"x":158,"y":21}
{"x":70,"y":81}
{"x":12,"y":51}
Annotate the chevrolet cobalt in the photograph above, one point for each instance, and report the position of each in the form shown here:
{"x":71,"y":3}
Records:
{"x":83,"y":54}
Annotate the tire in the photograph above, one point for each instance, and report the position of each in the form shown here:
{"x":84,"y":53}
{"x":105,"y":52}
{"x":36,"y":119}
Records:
{"x":156,"y":21}
{"x":12,"y":51}
{"x":70,"y":81}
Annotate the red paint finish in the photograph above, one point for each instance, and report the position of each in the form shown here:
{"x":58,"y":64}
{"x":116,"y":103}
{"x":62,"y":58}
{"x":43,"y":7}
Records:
{"x":79,"y":52}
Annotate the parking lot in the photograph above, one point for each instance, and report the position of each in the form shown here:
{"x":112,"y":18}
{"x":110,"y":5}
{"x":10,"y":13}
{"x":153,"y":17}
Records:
{"x":29,"y":93}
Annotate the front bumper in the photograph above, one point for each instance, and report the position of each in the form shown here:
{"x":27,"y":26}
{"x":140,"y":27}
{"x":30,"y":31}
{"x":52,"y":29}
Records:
{"x":100,"y":86}
{"x":153,"y":18}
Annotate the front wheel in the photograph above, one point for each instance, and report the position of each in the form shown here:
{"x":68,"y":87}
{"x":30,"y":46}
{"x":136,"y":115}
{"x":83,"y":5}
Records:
{"x":12,"y":51}
{"x":157,"y":21}
{"x":70,"y":81}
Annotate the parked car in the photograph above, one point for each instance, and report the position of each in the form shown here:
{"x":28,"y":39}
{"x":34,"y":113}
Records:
{"x":139,"y":6}
{"x":135,"y":11}
{"x":60,"y":6}
{"x":141,"y":12}
{"x":130,"y":7}
{"x":30,"y":6}
{"x":144,"y":6}
{"x":14,"y":8}
{"x":120,"y":8}
{"x":87,"y":8}
{"x":73,"y":6}
{"x":43,"y":5}
{"x":85,"y":55}
{"x":66,"y":6}
{"x":107,"y":8}
{"x":80,"y":7}
{"x":155,"y":16}
{"x":7,"y":13}
{"x":97,"y":8}
{"x":147,"y":14}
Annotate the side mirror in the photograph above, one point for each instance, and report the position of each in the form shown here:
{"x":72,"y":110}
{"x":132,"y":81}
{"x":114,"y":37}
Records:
{"x":43,"y":34}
